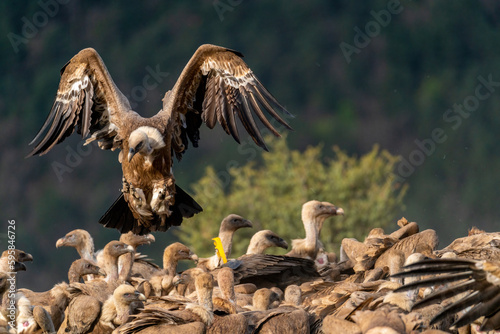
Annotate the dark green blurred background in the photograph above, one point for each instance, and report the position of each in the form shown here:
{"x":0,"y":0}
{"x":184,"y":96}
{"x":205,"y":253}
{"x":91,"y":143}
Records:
{"x":397,"y":88}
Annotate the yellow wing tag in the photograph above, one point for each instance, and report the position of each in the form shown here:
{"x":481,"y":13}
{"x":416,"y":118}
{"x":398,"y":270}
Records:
{"x":219,"y":249}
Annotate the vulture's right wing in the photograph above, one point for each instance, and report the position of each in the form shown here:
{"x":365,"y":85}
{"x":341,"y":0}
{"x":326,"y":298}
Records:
{"x":480,"y":280}
{"x":87,"y":100}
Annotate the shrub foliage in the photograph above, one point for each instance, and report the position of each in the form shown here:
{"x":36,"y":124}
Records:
{"x":272,"y":192}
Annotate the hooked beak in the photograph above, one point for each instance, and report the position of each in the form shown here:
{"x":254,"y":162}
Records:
{"x":19,"y":266}
{"x":247,"y":223}
{"x":150,"y":238}
{"x":194,"y":257}
{"x":60,"y":242}
{"x":101,"y":272}
{"x":141,"y":296}
{"x":28,"y":257}
{"x":339,"y":212}
{"x":131,"y":153}
{"x":283,"y":244}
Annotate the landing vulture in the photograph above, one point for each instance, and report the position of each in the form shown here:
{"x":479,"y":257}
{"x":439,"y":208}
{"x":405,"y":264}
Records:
{"x":216,"y":86}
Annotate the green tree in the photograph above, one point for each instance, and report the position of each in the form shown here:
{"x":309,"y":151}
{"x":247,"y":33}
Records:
{"x":271,"y":195}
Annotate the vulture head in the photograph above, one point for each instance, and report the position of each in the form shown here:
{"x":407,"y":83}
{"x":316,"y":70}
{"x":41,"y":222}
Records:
{"x":293,"y":295}
{"x":233,"y":222}
{"x":316,"y":211}
{"x":263,"y":298}
{"x":264,"y":239}
{"x":126,"y":294}
{"x":176,"y":252}
{"x":135,"y":240}
{"x":19,"y":255}
{"x":77,"y":238}
{"x":144,"y":140}
{"x":85,"y":267}
{"x":116,"y":248}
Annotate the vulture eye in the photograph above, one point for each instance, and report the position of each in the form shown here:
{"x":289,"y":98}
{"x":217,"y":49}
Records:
{"x":127,"y":294}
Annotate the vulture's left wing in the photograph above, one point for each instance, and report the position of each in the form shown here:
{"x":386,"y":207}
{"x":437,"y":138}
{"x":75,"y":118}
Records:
{"x":217,"y":86}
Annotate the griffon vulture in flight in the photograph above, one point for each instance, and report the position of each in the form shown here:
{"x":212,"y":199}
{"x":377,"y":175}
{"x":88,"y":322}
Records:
{"x":215,"y":86}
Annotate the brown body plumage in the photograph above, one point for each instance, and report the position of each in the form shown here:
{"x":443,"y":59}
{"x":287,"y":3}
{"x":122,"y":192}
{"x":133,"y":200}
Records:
{"x":215,"y":86}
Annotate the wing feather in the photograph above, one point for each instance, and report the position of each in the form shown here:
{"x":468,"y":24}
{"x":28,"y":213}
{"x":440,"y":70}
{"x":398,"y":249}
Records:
{"x":231,"y":91}
{"x":87,"y":100}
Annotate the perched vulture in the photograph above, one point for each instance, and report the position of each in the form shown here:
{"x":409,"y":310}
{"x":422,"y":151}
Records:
{"x":215,"y":86}
{"x":314,"y":214}
{"x":228,"y":226}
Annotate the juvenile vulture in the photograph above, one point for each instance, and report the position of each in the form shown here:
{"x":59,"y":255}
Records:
{"x":19,"y":257}
{"x":215,"y":86}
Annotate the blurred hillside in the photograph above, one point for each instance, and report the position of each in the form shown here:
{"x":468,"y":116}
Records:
{"x":420,"y":78}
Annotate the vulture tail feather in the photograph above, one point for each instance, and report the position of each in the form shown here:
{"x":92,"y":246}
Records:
{"x":120,"y":216}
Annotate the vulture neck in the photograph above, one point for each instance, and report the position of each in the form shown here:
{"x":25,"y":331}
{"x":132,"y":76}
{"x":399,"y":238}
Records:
{"x":86,"y":250}
{"x":227,"y":290}
{"x":74,"y":274}
{"x":122,"y":312}
{"x":110,"y":265}
{"x":256,"y":247}
{"x":170,"y":264}
{"x":205,"y":298}
{"x":226,"y":238}
{"x":312,"y":234}
{"x":125,"y":263}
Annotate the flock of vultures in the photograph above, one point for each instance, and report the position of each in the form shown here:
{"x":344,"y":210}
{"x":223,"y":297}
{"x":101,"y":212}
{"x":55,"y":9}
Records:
{"x":389,"y":283}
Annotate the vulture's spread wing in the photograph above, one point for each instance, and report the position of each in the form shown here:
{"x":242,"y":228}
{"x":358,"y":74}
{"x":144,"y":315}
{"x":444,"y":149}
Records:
{"x":217,"y":86}
{"x":87,"y":100}
{"x":480,"y":280}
